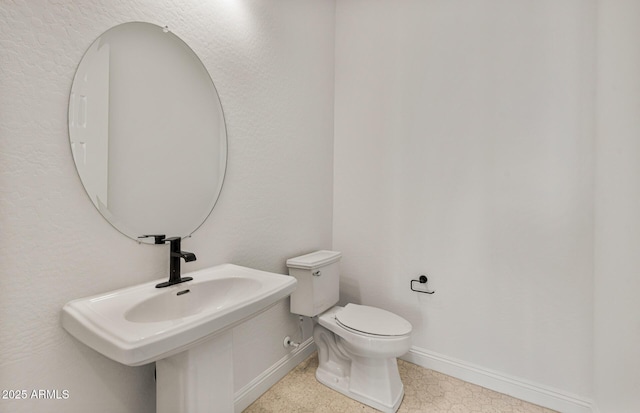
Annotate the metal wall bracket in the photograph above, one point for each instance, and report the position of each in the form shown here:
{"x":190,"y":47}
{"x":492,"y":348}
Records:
{"x":422,"y":280}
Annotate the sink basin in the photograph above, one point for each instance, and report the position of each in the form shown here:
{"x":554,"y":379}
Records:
{"x":143,"y":324}
{"x":217,"y":294}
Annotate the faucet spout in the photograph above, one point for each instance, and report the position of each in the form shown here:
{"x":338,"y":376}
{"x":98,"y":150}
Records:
{"x":185,"y":255}
{"x":174,"y":262}
{"x":188,"y":256}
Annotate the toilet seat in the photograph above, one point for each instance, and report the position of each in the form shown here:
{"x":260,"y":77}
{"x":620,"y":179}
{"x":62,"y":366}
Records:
{"x":373,"y":321}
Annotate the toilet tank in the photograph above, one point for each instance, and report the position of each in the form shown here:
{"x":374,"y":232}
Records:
{"x":318,"y":276}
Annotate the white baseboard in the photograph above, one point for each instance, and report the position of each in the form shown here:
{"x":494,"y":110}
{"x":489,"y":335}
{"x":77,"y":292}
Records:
{"x":502,"y":383}
{"x":252,"y":391}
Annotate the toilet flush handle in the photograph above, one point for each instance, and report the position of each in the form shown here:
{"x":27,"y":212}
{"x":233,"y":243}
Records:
{"x":316,"y":273}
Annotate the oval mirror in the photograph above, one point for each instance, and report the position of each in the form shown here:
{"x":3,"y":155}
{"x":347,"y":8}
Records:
{"x":147,"y":132}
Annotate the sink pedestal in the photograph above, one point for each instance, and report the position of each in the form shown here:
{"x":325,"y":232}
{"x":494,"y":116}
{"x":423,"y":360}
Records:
{"x":197,"y":380}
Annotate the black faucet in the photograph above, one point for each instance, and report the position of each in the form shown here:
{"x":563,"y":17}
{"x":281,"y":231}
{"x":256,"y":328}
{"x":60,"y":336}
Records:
{"x":174,"y":259}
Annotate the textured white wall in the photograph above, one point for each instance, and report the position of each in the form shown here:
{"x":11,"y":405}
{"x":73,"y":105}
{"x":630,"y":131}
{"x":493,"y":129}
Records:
{"x":617,"y":263}
{"x":272,"y":64}
{"x":464,"y":149}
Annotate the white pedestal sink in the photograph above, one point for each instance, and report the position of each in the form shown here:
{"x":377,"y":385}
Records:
{"x":185,"y":329}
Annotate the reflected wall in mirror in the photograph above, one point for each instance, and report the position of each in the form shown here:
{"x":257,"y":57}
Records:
{"x":147,"y":131}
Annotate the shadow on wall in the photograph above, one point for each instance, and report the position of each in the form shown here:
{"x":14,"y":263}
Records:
{"x":349,"y":291}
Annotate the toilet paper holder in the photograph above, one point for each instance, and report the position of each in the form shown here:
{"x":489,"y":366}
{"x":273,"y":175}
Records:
{"x":422,"y":280}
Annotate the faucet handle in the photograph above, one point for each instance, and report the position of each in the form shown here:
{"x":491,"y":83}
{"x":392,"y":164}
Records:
{"x":158,"y":239}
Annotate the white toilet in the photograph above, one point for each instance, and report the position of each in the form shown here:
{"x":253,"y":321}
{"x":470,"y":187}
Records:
{"x":357,"y":344}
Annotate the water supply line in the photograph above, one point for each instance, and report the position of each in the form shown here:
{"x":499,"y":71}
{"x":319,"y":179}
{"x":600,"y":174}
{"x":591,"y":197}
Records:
{"x":288,"y":342}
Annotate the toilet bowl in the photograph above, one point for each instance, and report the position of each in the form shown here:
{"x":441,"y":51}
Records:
{"x":357,"y":344}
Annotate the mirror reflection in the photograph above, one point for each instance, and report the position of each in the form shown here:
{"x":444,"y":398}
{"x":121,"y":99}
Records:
{"x":147,"y":131}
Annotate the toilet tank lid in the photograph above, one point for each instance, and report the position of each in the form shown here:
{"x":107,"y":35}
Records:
{"x":314,"y":259}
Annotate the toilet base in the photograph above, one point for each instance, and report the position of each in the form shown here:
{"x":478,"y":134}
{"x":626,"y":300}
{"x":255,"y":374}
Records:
{"x":341,"y":385}
{"x":371,"y":381}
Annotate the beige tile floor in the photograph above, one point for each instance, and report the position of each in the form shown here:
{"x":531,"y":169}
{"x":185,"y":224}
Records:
{"x":426,"y":391}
